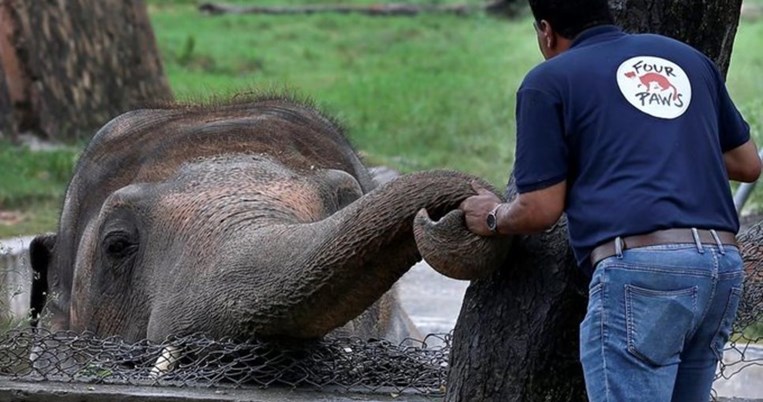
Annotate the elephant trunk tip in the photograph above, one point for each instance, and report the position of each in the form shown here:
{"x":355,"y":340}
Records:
{"x":454,"y":251}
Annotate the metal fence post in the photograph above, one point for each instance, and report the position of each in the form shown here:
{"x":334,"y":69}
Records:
{"x":744,"y":191}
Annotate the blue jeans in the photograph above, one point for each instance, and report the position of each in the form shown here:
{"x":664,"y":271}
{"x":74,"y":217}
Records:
{"x":658,"y":319}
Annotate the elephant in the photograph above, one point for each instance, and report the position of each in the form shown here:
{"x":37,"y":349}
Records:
{"x":253,"y":217}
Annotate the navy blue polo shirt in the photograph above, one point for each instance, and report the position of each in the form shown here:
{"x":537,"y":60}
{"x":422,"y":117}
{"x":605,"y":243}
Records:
{"x":637,"y":125}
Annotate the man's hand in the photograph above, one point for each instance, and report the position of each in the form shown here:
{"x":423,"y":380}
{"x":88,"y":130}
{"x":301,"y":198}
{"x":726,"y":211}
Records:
{"x":476,"y":209}
{"x":530,"y":212}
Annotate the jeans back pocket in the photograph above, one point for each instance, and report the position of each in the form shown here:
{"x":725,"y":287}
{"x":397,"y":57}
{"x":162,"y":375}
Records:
{"x":658,"y":322}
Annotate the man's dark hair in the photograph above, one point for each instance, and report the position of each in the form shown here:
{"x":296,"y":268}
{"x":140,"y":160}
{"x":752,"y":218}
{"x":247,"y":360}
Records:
{"x":571,"y":17}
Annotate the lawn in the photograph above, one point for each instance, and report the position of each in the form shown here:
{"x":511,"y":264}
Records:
{"x":432,"y":91}
{"x":415,"y":93}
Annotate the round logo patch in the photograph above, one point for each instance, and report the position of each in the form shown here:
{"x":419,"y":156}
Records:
{"x":655,"y":86}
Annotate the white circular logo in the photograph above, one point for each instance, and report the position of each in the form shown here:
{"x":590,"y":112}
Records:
{"x":655,"y":86}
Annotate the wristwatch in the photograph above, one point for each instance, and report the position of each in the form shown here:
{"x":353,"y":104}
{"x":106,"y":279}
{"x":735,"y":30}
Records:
{"x":492,"y":219}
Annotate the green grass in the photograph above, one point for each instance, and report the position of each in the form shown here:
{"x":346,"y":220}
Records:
{"x":416,"y":93}
{"x":31,"y":185}
{"x":433,"y":91}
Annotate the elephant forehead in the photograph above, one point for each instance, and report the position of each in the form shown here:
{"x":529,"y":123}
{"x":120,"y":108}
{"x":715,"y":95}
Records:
{"x":282,"y":199}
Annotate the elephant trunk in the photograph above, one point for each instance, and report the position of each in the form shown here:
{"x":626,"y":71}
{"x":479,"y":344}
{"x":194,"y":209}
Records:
{"x":339,"y":266}
{"x":452,"y":250}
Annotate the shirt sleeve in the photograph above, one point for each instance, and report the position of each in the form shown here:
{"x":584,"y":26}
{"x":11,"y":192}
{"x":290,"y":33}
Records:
{"x":540,"y":159}
{"x":733,"y":130}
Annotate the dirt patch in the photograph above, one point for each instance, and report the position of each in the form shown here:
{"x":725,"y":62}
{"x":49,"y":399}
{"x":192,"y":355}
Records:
{"x":10,"y":218}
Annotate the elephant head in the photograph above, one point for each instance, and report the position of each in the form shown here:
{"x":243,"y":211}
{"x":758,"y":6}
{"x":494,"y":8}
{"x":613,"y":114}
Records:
{"x":239,"y":220}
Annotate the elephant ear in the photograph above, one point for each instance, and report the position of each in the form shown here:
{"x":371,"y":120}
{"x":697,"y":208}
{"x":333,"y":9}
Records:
{"x":454,"y":251}
{"x":40,"y":256}
{"x":337,"y":187}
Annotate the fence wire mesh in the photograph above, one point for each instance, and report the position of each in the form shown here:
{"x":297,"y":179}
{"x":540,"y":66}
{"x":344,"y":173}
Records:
{"x":344,"y":364}
{"x":745,"y":347}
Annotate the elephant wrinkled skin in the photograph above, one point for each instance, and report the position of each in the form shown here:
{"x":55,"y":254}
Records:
{"x":245,"y":219}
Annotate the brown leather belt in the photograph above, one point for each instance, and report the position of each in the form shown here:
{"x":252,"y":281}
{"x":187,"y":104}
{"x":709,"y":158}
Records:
{"x":669,"y":236}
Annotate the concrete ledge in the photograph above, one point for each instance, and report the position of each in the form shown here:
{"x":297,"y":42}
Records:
{"x":738,"y":400}
{"x":65,"y":392}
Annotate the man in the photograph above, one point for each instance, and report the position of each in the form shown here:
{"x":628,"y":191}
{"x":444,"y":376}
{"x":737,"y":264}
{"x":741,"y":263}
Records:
{"x":635,"y":138}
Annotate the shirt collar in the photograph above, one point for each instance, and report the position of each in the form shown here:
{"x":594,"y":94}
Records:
{"x":597,"y":34}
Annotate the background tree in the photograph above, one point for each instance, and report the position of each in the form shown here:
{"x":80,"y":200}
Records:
{"x":507,"y":8}
{"x":708,"y":25}
{"x":67,"y":67}
{"x":516,"y":338}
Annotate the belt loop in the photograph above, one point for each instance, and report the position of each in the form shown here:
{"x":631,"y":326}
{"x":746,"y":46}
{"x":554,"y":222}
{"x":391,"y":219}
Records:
{"x":718,"y":241}
{"x":619,"y":246}
{"x":697,"y":241}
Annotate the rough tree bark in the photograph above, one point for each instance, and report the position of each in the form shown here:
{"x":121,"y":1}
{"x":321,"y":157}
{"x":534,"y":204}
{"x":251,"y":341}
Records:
{"x":516,"y":338}
{"x":5,"y":108}
{"x":67,"y":67}
{"x":516,"y":335}
{"x":708,"y":25}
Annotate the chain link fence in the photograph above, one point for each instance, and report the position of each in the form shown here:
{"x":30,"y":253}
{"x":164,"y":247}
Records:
{"x":340,"y":364}
{"x":343,"y":364}
{"x":745,"y":348}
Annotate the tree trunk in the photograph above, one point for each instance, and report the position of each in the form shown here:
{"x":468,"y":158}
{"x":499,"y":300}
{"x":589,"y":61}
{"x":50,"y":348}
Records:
{"x":5,"y":109}
{"x":516,"y":338}
{"x":708,"y":25}
{"x":504,"y":8}
{"x":70,"y":66}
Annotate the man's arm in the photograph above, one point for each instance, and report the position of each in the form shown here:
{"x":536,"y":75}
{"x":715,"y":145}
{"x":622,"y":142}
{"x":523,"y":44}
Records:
{"x":743,"y":163}
{"x":530,"y":212}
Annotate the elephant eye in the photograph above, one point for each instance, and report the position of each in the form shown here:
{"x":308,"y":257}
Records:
{"x":118,"y":245}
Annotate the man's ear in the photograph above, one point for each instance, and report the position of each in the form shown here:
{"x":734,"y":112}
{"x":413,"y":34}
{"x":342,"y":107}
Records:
{"x":549,"y":35}
{"x":40,"y":255}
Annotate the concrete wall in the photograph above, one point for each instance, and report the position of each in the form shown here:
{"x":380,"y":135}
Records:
{"x":15,"y":277}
